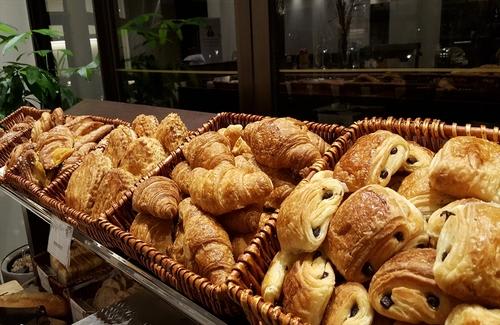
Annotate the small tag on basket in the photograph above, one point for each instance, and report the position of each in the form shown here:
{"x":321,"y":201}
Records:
{"x":44,"y":279}
{"x":60,"y":241}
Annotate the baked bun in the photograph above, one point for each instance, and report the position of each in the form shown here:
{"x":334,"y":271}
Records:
{"x":349,"y":305}
{"x":404,"y":289}
{"x":373,"y":159}
{"x":369,"y":227}
{"x":473,"y":315}
{"x":142,"y":155}
{"x":118,"y":141}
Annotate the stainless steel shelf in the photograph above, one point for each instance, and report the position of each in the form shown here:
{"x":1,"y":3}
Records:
{"x":185,"y":306}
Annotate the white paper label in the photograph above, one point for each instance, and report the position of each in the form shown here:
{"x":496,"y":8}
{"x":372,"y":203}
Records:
{"x":60,"y":241}
{"x":44,"y":279}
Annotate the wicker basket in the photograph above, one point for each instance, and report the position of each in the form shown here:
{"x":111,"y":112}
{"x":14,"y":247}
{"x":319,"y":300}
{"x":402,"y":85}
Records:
{"x":32,"y":190}
{"x":247,"y":275}
{"x":8,"y":122}
{"x":117,"y":221}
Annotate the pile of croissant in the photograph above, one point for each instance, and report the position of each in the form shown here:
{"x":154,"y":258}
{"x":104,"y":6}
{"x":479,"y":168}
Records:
{"x":56,"y":143}
{"x":229,"y":184}
{"x":426,"y":250}
{"x":130,"y":153}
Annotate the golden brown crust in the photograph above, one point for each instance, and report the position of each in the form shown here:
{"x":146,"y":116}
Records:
{"x":281,"y":143}
{"x":307,"y":288}
{"x":232,"y":133}
{"x":30,"y":168}
{"x":87,"y":126}
{"x":43,"y":124}
{"x":78,"y":155}
{"x":373,"y":159}
{"x":93,"y":136}
{"x":157,"y":196}
{"x":145,"y":125}
{"x":369,"y":227}
{"x":55,"y":146}
{"x":154,"y":231}
{"x":473,"y":315}
{"x":57,"y":116}
{"x":84,"y":182}
{"x":18,"y":151}
{"x":208,"y":150}
{"x":404,"y":289}
{"x":240,"y":243}
{"x":467,"y":167}
{"x":467,"y":259}
{"x":181,"y":174}
{"x":171,"y":132}
{"x":226,"y":188}
{"x":240,"y":147}
{"x":111,"y":188}
{"x":118,"y":142}
{"x":318,"y":142}
{"x":142,"y":155}
{"x":242,"y":221}
{"x":349,"y":305}
{"x":418,"y":157}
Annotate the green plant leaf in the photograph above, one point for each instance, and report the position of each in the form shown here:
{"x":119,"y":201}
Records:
{"x":42,"y":53}
{"x":32,"y":75}
{"x":66,"y":52}
{"x":7,"y":29}
{"x":16,"y":40}
{"x":52,"y":33}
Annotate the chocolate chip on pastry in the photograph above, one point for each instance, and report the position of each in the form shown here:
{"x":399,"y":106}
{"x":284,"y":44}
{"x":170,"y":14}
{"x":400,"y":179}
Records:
{"x":418,"y":157}
{"x":349,"y":305}
{"x":369,"y":227}
{"x":373,"y":159}
{"x":404,"y":289}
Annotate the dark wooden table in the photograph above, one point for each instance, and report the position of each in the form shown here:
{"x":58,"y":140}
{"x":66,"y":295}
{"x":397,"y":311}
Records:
{"x":127,"y":112}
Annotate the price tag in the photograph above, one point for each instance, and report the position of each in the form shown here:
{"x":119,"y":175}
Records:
{"x":60,"y":241}
{"x":44,"y":279}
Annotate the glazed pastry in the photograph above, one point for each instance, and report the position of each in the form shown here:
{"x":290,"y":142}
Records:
{"x":226,"y":188}
{"x":30,"y":168}
{"x":240,"y":147}
{"x":242,"y":221}
{"x":318,"y":142}
{"x":84,"y":182}
{"x":439,"y":217}
{"x":206,"y":243}
{"x":171,"y":132}
{"x":142,"y":156}
{"x":55,"y":146}
{"x":78,"y":155}
{"x":308,"y":287}
{"x":18,"y":152}
{"x":281,"y":143}
{"x":349,"y":305}
{"x":404,"y":289}
{"x":418,"y":157}
{"x":118,"y":141}
{"x":467,"y":167}
{"x":473,"y":315}
{"x":232,"y":133}
{"x":380,"y":222}
{"x":57,"y":116}
{"x":157,"y":196}
{"x":154,"y":231}
{"x":416,"y":188}
{"x":467,"y":259}
{"x":181,"y":174}
{"x":145,"y":125}
{"x":43,"y":124}
{"x":111,"y":188}
{"x":208,"y":150}
{"x":373,"y":159}
{"x":93,"y":136}
{"x":240,"y":243}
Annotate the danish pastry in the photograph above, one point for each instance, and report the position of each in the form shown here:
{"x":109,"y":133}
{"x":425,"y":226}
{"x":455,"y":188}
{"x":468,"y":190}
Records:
{"x":152,"y":230}
{"x":467,"y":258}
{"x":467,"y":167}
{"x":208,"y":150}
{"x":404,"y":289}
{"x":473,"y":315}
{"x":418,"y":157}
{"x":349,"y":305}
{"x":55,"y":146}
{"x":369,"y":227}
{"x":118,"y":141}
{"x":145,"y":125}
{"x":142,"y":155}
{"x":111,"y":188}
{"x":373,"y":159}
{"x":157,"y":196}
{"x":171,"y":132}
{"x":308,"y":287}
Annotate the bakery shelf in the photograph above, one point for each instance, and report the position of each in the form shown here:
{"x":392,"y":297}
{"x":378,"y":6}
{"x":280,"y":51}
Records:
{"x":148,"y":281}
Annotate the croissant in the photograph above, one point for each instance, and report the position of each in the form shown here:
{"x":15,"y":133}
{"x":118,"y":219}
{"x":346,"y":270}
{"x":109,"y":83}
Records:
{"x":370,"y":226}
{"x":145,"y":125}
{"x":473,"y":315}
{"x":226,"y":188}
{"x":74,"y":123}
{"x":349,"y":305}
{"x":416,"y":188}
{"x":55,"y":146}
{"x":86,"y":127}
{"x":281,"y":143}
{"x":207,"y":244}
{"x":308,"y":287}
{"x":118,"y":141}
{"x":142,"y":155}
{"x":242,"y":221}
{"x":467,"y":261}
{"x":373,"y":159}
{"x":93,"y":136}
{"x":247,"y":162}
{"x":418,"y":157}
{"x":181,"y":174}
{"x":157,"y":196}
{"x":57,"y":117}
{"x":208,"y":150}
{"x":318,"y":142}
{"x":43,"y":124}
{"x":240,"y":243}
{"x":404,"y":289}
{"x":111,"y":188}
{"x":240,"y":147}
{"x":232,"y":133}
{"x":467,"y":167}
{"x":152,"y":230}
{"x":171,"y":132}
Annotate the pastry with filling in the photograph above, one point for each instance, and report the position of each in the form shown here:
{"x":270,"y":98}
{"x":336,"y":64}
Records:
{"x":418,"y":157}
{"x":373,"y":159}
{"x":55,"y":146}
{"x":43,"y":124}
{"x":93,"y":136}
{"x":349,"y":305}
